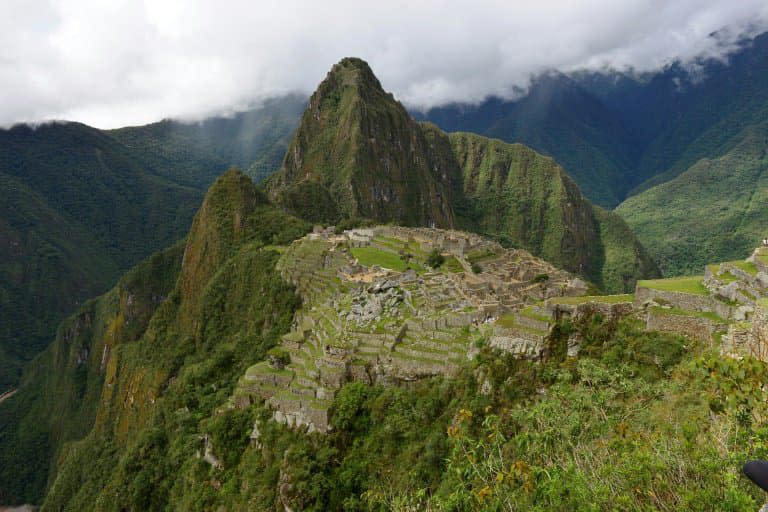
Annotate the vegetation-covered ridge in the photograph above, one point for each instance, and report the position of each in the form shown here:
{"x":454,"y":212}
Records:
{"x":76,"y":211}
{"x":98,"y":382}
{"x":357,"y":154}
{"x":714,"y":211}
{"x":80,"y":206}
{"x":153,"y":382}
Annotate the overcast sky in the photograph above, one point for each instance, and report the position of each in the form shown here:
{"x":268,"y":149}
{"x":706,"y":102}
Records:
{"x":115,"y":63}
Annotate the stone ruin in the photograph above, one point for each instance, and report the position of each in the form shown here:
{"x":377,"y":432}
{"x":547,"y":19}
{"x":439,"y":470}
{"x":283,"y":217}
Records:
{"x":378,"y":325}
{"x":730,"y":308}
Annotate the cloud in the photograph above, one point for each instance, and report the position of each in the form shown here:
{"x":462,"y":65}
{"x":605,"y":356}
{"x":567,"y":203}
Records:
{"x":112,"y":63}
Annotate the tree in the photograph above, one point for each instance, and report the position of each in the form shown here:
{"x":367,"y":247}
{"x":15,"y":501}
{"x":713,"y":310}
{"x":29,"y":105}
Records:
{"x":435,"y":259}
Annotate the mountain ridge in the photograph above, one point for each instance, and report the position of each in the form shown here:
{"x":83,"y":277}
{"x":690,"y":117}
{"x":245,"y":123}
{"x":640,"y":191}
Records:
{"x":80,"y":206}
{"x":358,"y":156}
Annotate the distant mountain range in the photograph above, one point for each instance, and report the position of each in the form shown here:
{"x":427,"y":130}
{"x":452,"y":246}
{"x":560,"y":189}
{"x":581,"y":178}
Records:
{"x":79,"y":206}
{"x":682,"y":150}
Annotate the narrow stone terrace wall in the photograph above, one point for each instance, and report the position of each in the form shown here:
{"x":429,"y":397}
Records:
{"x":698,"y":328}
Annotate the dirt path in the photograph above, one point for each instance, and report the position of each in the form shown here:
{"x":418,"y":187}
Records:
{"x":7,"y":394}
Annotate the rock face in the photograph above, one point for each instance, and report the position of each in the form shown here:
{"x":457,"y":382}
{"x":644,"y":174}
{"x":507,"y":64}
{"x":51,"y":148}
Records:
{"x":364,"y":321}
{"x":358,"y":154}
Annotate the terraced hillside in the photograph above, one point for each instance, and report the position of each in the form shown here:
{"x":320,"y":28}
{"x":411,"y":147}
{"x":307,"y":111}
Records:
{"x":376,"y":312}
{"x":726,"y":306}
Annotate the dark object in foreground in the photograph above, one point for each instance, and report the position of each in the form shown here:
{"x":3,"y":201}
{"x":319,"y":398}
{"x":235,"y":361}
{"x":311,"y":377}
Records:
{"x":757,"y":471}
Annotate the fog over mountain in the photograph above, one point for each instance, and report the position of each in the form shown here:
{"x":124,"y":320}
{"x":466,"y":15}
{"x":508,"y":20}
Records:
{"x":110,"y":64}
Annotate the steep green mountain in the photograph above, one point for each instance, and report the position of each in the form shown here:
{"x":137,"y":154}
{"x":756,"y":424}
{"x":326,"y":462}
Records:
{"x":77,"y":210}
{"x":177,"y":320}
{"x":358,"y":155}
{"x":714,"y":211}
{"x":137,"y":396}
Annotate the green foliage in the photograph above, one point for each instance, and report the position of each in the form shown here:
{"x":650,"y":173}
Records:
{"x":476,"y":268}
{"x":435,"y":259}
{"x":694,"y":285}
{"x":735,"y":387}
{"x":710,"y":212}
{"x":348,"y":413}
{"x":278,"y":357}
{"x":229,"y":433}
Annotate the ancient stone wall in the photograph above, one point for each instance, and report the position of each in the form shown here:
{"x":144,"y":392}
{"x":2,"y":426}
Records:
{"x":608,"y":311}
{"x":518,"y":343}
{"x":698,"y":328}
{"x":682,"y":300}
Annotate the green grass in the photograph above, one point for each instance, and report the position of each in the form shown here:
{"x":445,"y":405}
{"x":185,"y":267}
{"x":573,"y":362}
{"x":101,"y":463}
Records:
{"x":396,"y":244}
{"x":746,"y":266}
{"x":693,"y":285}
{"x":481,"y":255}
{"x":370,"y":256}
{"x":451,"y":264}
{"x":530,"y":313}
{"x":725,"y":277}
{"x":603,"y":299}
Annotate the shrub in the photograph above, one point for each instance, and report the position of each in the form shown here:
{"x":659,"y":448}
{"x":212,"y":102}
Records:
{"x":278,"y":357}
{"x":435,"y":259}
{"x":476,"y":268}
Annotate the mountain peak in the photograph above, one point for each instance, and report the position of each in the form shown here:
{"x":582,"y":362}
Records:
{"x":358,"y":154}
{"x":352,"y":71}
